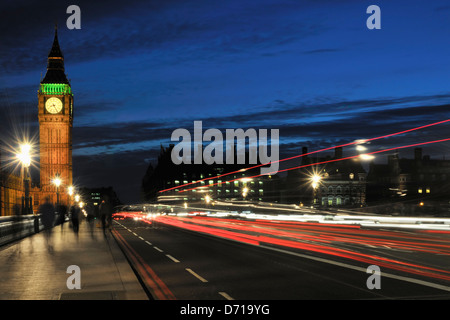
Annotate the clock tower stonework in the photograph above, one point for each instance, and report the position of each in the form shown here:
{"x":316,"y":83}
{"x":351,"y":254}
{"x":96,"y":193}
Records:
{"x":55,"y":105}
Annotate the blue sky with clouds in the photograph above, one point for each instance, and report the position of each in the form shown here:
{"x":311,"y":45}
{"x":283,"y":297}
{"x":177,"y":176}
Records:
{"x":140,"y":69}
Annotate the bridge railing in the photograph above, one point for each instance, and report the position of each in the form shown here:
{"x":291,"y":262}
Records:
{"x":16,"y":227}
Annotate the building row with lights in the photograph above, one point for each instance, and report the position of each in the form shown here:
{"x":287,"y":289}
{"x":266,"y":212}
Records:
{"x":350,"y":183}
{"x":205,"y":182}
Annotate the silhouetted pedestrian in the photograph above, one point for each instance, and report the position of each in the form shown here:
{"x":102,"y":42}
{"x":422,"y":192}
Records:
{"x":75,"y":217}
{"x":90,"y":217}
{"x":106,"y":213}
{"x":47,"y":211}
{"x":62,"y":211}
{"x":89,"y":213}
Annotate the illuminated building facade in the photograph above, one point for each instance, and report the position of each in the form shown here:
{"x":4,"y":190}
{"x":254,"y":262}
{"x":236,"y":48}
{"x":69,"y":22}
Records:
{"x":331,"y":184}
{"x":216,"y":184}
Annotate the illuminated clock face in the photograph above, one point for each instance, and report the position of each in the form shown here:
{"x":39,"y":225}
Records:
{"x":53,"y":105}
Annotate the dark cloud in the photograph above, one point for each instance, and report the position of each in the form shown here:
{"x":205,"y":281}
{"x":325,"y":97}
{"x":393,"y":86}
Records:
{"x":119,"y":133}
{"x":367,"y":117}
{"x":113,"y":29}
{"x":418,"y":108}
{"x":30,"y":24}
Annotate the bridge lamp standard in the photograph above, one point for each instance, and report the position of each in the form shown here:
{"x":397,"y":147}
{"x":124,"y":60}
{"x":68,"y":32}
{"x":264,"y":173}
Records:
{"x":57,"y":182}
{"x":24,"y":157}
{"x":70,"y":191}
{"x":315,"y":181}
{"x":244,"y":192}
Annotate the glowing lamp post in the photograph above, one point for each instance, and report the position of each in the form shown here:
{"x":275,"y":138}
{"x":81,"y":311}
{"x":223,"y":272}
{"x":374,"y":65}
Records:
{"x":25,"y":159}
{"x":57,"y":182}
{"x":70,"y":191}
{"x":244,"y":192}
{"x":24,"y":155}
{"x":315,"y":181}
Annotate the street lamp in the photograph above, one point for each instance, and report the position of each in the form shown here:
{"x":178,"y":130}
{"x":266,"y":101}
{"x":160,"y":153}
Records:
{"x":70,"y":191}
{"x":57,"y":182}
{"x":25,"y":154}
{"x":25,"y":159}
{"x":366,"y":157}
{"x":315,"y":181}
{"x":244,"y":192}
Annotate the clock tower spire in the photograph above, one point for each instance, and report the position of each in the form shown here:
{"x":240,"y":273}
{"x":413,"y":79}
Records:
{"x":55,"y":64}
{"x":55,"y":113}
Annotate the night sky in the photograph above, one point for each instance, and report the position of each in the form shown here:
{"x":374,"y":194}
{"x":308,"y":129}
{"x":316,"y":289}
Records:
{"x":312,"y":69}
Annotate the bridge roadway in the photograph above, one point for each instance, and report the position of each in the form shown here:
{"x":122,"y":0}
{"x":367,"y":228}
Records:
{"x":188,"y":258}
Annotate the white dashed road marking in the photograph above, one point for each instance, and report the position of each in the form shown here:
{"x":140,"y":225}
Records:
{"x":196,"y":275}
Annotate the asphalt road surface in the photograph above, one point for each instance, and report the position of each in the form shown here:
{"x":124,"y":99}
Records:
{"x":176,"y":263}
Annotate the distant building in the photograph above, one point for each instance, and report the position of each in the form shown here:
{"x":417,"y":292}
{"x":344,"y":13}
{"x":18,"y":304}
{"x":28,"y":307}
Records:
{"x":329,"y":184}
{"x":404,"y":186}
{"x":234,"y":186}
{"x":93,"y":197}
{"x":417,"y":181}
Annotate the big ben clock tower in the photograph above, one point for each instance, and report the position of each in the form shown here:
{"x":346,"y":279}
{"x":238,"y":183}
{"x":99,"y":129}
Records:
{"x":55,"y":104}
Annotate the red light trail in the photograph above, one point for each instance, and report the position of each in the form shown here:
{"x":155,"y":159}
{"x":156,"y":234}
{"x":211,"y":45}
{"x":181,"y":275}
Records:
{"x":327,"y":161}
{"x":339,"y":241}
{"x":309,"y":153}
